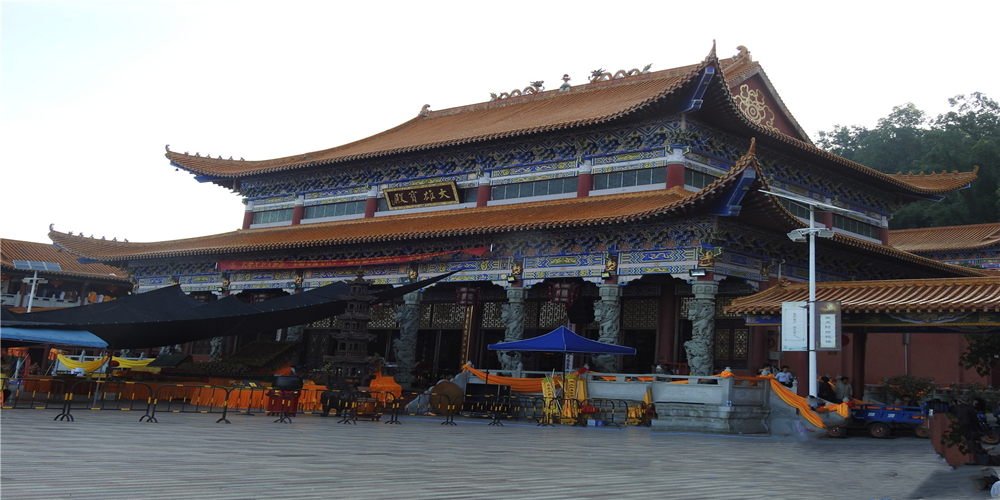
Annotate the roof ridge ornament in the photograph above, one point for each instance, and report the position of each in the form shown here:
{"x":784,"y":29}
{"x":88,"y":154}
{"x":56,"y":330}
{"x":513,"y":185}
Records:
{"x":424,"y":111}
{"x":533,"y":88}
{"x":565,"y":85}
{"x":599,"y":75}
{"x":744,"y":52}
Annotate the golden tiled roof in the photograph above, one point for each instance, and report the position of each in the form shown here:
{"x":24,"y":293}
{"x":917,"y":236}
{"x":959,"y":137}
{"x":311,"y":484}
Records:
{"x":586,"y":104}
{"x":573,"y":212}
{"x":759,"y":209}
{"x":976,"y":294}
{"x":11,"y":250}
{"x":549,"y":110}
{"x":934,"y":239}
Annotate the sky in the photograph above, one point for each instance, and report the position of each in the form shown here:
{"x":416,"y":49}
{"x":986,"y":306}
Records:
{"x":92,"y":92}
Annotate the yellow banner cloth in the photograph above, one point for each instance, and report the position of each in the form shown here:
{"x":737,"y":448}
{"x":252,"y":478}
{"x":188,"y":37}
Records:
{"x":90,"y":366}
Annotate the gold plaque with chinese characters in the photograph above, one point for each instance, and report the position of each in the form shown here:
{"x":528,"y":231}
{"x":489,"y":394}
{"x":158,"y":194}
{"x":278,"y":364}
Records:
{"x":428,"y":195}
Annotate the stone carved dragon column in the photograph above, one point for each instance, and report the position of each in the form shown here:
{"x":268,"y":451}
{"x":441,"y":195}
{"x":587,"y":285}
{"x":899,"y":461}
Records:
{"x":607,"y":313}
{"x":701,"y":312}
{"x":405,"y":347}
{"x":512,"y":316}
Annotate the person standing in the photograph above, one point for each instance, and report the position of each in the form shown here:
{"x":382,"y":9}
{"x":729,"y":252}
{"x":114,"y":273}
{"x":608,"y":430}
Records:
{"x":844,"y":390}
{"x":785,"y":376}
{"x":825,"y":389}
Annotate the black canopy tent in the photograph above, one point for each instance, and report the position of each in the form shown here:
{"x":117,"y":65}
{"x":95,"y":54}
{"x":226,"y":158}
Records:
{"x":167,"y":316}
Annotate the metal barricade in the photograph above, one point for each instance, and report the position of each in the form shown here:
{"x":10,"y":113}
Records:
{"x":187,"y":398}
{"x":34,"y":393}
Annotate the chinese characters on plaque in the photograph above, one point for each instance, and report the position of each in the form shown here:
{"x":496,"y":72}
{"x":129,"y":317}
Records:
{"x":428,"y":195}
{"x":795,"y":326}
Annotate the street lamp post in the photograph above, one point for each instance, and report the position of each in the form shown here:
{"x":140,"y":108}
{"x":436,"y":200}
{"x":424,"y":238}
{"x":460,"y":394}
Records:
{"x":800,"y":235}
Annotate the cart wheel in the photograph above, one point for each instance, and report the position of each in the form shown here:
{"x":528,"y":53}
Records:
{"x":880,"y":430}
{"x":836,"y":432}
{"x":991,"y":438}
{"x":921,"y":431}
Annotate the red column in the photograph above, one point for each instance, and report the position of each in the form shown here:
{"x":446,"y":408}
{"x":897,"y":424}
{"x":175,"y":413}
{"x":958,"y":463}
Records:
{"x":826,"y":218}
{"x":483,"y":192}
{"x":297,"y":212}
{"x":859,"y":343}
{"x":371,"y":204}
{"x":248,"y":215}
{"x":883,"y":233}
{"x":666,"y":330}
{"x":675,"y":168}
{"x":585,"y":182}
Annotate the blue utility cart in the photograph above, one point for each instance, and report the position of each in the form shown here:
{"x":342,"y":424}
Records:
{"x":880,"y":420}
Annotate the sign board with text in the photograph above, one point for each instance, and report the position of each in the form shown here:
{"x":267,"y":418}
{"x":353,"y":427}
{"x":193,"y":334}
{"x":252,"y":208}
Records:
{"x":828,"y":325}
{"x":794,"y":326}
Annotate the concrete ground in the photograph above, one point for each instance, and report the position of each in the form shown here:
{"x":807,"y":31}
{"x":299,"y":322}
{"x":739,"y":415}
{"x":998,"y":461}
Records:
{"x":111,"y":455}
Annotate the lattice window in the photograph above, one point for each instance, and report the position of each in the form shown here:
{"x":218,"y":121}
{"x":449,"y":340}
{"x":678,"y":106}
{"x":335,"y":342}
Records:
{"x":426,"y":314}
{"x":741,"y":343}
{"x":640,"y":314}
{"x":491,"y":315}
{"x":722,"y":301}
{"x":682,"y":308}
{"x":448,"y":315}
{"x":323,"y":323}
{"x":722,"y":343}
{"x":531,"y":314}
{"x":551,"y":315}
{"x":383,"y":317}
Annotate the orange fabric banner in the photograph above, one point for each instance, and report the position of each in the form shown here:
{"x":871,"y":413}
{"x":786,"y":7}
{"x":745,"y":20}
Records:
{"x":516,"y":384}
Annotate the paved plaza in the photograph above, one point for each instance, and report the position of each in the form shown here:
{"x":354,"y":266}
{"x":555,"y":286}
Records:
{"x":111,"y":455}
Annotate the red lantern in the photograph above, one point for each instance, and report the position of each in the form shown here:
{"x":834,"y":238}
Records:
{"x":56,"y":283}
{"x":563,"y":294}
{"x":466,"y":295}
{"x":4,"y":277}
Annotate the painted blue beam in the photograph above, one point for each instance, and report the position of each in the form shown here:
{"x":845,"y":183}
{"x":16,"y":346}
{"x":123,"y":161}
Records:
{"x":730,"y":203}
{"x":695,"y":101}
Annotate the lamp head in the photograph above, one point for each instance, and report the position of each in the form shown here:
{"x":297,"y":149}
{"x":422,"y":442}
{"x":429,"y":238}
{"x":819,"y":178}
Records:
{"x":796,"y":236}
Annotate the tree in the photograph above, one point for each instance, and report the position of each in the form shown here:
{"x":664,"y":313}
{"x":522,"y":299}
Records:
{"x":983,"y":353}
{"x":906,"y":141}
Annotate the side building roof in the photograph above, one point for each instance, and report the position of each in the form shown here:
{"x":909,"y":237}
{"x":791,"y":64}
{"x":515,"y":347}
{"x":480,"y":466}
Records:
{"x":947,"y":238}
{"x":11,"y":250}
{"x":975,"y":294}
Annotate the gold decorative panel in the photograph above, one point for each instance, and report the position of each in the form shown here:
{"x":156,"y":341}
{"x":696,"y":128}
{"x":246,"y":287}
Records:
{"x":641,"y":313}
{"x":755,"y":108}
{"x":741,"y":343}
{"x":722,"y":344}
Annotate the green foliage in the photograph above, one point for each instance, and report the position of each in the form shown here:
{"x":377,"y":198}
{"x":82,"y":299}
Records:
{"x":983,"y":353}
{"x":959,"y":140}
{"x":954,"y":436}
{"x":909,"y":389}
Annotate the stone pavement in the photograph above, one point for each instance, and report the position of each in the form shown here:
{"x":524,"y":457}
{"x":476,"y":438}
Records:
{"x":111,"y":455}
